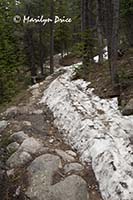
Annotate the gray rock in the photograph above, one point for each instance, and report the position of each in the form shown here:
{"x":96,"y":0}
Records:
{"x":75,"y":167}
{"x":71,"y":153}
{"x":31,"y":146}
{"x":13,"y":147}
{"x":38,"y":112}
{"x":72,"y":188}
{"x":41,"y":173}
{"x":19,"y":136}
{"x":26,"y":123}
{"x":66,"y":157}
{"x":128,"y":109}
{"x":19,"y":158}
{"x":3,"y":125}
{"x":45,"y":165}
{"x":12,"y":111}
{"x":10,"y":172}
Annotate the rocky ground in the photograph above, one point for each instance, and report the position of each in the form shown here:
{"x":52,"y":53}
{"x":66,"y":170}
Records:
{"x":35,"y":163}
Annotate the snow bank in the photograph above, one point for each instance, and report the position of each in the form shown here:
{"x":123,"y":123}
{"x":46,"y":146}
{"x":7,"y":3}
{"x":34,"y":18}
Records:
{"x":97,"y":130}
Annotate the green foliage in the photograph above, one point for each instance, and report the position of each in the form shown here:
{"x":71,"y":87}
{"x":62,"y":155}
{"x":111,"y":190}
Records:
{"x":77,"y":49}
{"x":10,"y":54}
{"x":126,"y":8}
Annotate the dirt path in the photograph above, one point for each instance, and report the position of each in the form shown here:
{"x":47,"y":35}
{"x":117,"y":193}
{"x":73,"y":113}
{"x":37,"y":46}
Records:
{"x":37,"y":122}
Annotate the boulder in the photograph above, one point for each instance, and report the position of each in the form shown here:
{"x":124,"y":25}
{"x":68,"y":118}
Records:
{"x":72,"y":188}
{"x":11,"y":112}
{"x":71,"y":153}
{"x":44,"y":165}
{"x":73,"y":167}
{"x":19,"y":136}
{"x":65,"y":156}
{"x":13,"y":147}
{"x":41,"y":173}
{"x":31,"y":146}
{"x":18,"y":159}
{"x":3,"y":125}
{"x":41,"y":186}
{"x":128,"y":109}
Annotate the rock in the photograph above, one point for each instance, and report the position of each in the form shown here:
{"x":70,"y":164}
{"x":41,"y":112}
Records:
{"x":51,"y":140}
{"x":10,"y":172}
{"x":71,"y":153}
{"x":27,"y":123}
{"x":31,"y":146}
{"x":128,"y":109}
{"x":13,"y":147}
{"x":38,"y":112}
{"x":40,"y":187}
{"x":18,"y":190}
{"x":75,"y":167}
{"x":45,"y":150}
{"x":3,"y":184}
{"x":64,"y":155}
{"x":19,"y":136}
{"x":10,"y":112}
{"x":3,"y":125}
{"x":41,"y":173}
{"x":72,"y":188}
{"x":18,"y":159}
{"x":45,"y":164}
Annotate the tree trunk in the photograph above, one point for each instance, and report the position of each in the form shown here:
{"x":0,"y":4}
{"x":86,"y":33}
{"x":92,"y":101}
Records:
{"x":41,"y":54}
{"x":99,"y":31}
{"x":108,"y":28}
{"x":115,"y":42}
{"x":31,"y":56}
{"x":52,"y":37}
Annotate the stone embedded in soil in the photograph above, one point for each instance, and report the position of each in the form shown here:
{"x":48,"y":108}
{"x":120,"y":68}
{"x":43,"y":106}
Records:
{"x":10,"y":172}
{"x":41,"y":173}
{"x":12,"y":111}
{"x":27,"y":123}
{"x":44,"y":165}
{"x":72,"y":188}
{"x":18,"y":159}
{"x":66,"y":157}
{"x":13,"y":147}
{"x":31,"y":146}
{"x":73,"y":167}
{"x":71,"y":153}
{"x":38,"y":112}
{"x":128,"y":109}
{"x":19,"y":136}
{"x":3,"y":125}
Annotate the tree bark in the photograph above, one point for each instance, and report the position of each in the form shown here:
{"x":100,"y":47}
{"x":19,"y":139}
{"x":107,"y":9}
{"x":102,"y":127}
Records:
{"x":115,"y":42}
{"x":41,"y":54}
{"x":52,"y":37}
{"x":99,"y":30}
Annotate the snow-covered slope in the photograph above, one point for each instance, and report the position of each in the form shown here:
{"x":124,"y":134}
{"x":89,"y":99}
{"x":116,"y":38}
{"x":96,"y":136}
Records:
{"x":99,"y":132}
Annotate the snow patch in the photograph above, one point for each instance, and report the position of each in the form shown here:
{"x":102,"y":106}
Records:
{"x":96,"y":128}
{"x":105,"y":55}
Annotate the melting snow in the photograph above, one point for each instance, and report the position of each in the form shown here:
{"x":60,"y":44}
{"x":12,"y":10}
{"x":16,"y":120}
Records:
{"x":96,"y":128}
